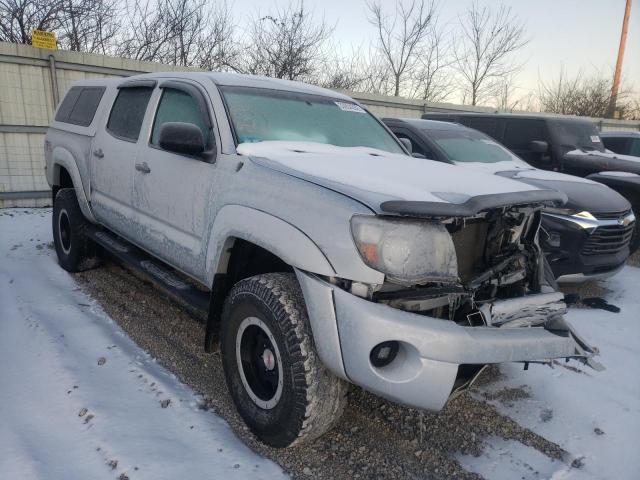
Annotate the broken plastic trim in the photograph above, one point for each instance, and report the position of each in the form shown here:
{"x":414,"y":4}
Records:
{"x":474,"y":205}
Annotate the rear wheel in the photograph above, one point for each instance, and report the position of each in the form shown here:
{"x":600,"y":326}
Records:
{"x":278,"y":384}
{"x":76,"y":251}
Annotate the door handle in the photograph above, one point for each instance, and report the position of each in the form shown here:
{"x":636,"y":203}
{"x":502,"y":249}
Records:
{"x":98,"y":153}
{"x":143,"y":167}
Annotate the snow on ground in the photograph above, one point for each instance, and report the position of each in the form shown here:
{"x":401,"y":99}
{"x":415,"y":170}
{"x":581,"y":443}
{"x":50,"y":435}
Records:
{"x":53,"y":337}
{"x":595,"y":416}
{"x":77,"y":395}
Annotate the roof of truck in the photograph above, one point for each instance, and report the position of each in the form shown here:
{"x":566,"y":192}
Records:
{"x":526,"y":116}
{"x":228,"y":79}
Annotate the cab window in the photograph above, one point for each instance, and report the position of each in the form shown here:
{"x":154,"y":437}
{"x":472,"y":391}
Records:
{"x":127,"y":113}
{"x":178,"y":106}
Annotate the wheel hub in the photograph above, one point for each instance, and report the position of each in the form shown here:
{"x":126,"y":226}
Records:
{"x":259,"y":362}
{"x":269,"y":359}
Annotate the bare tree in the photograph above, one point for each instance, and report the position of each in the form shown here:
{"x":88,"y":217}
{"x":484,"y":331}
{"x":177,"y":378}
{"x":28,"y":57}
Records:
{"x":483,"y":51}
{"x":180,"y":32}
{"x":18,"y":18}
{"x":218,"y":48}
{"x":505,"y":95}
{"x":287,"y":44}
{"x":401,"y":35}
{"x":342,"y":71}
{"x":145,"y":35}
{"x":88,"y":25}
{"x":584,"y":95}
{"x":431,"y":79}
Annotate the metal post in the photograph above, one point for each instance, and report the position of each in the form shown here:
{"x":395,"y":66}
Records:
{"x":616,"y":76}
{"x":54,"y":81}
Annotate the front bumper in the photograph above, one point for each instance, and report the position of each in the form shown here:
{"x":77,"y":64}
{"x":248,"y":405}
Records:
{"x":346,"y":328}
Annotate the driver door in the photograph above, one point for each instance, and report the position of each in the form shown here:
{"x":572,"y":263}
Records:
{"x":172,"y":192}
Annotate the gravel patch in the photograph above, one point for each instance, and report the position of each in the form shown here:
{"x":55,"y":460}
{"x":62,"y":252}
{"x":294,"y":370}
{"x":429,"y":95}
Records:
{"x":634,"y":260}
{"x":375,"y":438}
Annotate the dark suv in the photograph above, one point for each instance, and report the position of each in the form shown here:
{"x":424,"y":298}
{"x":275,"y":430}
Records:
{"x":563,"y":144}
{"x":587,"y":238}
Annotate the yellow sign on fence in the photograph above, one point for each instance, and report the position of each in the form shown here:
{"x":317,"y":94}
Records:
{"x":42,"y":39}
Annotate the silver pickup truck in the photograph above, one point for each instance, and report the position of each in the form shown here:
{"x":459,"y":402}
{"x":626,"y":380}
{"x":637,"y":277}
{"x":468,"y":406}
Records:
{"x":328,"y":254}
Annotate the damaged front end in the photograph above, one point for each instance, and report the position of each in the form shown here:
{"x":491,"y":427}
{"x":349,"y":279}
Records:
{"x":486,"y":269}
{"x":463,"y":288}
{"x":480,"y":270}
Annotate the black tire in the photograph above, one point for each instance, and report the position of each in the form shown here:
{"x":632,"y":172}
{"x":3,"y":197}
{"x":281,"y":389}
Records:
{"x":76,"y":252}
{"x":310,"y":399}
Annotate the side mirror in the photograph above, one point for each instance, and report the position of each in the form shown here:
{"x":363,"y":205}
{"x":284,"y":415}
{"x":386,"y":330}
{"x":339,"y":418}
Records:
{"x":538,"y":146}
{"x":181,"y":137}
{"x":407,"y":144}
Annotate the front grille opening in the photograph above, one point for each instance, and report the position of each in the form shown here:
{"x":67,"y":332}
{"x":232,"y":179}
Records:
{"x":608,"y":240}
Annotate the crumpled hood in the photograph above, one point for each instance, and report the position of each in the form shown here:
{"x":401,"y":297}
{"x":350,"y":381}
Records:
{"x":393,"y":183}
{"x":582,"y":194}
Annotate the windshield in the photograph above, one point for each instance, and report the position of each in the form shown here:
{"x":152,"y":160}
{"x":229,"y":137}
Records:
{"x":466,"y":145}
{"x":260,"y":115}
{"x":577,"y":135}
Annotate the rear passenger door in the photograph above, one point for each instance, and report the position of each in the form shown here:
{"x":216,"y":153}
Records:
{"x":113,"y":155}
{"x":173,"y":193}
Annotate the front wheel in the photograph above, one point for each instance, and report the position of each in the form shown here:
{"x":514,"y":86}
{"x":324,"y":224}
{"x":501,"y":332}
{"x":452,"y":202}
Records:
{"x":278,"y":384}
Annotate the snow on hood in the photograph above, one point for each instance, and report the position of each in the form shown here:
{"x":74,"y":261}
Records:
{"x":495,"y":167}
{"x":374,"y":176}
{"x":605,"y":154}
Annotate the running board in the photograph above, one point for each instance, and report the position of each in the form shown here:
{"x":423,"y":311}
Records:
{"x":159,"y":274}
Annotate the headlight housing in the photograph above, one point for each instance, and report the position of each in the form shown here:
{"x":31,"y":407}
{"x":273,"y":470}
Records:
{"x":406,"y":251}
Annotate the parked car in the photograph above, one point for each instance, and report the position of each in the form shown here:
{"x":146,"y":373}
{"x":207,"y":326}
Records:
{"x":330,"y":254}
{"x":624,"y":143}
{"x":585,"y":239}
{"x":563,"y":144}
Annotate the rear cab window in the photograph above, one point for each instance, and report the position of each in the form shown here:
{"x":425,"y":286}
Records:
{"x":79,"y":105}
{"x":127,"y":112}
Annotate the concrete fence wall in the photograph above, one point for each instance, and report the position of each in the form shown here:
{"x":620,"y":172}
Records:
{"x":32,"y":82}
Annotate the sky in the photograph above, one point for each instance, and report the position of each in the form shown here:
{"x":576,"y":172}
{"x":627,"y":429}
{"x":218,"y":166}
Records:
{"x":579,"y":35}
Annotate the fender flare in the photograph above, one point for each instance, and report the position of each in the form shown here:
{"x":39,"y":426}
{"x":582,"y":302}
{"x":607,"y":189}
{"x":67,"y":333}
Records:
{"x":62,"y":158}
{"x":273,"y":234}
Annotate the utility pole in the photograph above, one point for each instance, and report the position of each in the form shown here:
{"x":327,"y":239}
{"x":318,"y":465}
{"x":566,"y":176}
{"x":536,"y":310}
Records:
{"x":616,"y":76}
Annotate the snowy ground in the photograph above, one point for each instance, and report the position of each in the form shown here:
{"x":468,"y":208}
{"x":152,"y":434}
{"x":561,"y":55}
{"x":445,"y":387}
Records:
{"x":595,"y":416}
{"x":77,"y":395}
{"x":78,"y":399}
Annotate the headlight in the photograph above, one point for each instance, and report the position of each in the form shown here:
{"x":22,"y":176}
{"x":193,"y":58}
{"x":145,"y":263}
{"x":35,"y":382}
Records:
{"x":407,"y":251}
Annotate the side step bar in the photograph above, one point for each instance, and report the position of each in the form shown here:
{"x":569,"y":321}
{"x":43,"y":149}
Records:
{"x":159,"y":274}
